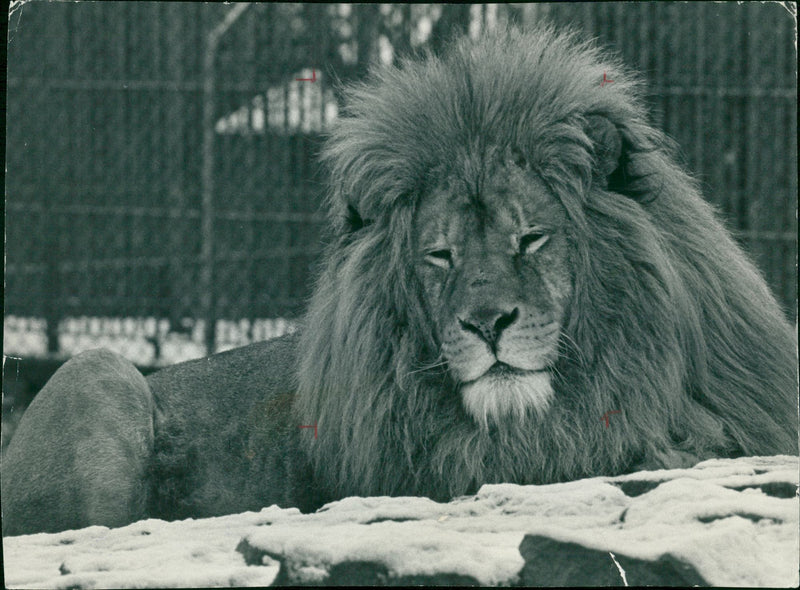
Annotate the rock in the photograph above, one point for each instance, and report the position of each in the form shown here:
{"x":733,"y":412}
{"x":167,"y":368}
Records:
{"x":554,"y":563}
{"x":723,"y":523}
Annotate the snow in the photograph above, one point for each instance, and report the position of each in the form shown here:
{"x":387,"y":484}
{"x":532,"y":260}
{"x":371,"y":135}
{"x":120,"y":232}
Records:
{"x":134,"y":338}
{"x":712,"y":516}
{"x":147,"y":554}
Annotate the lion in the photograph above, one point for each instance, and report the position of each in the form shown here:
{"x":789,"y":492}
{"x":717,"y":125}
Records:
{"x":521,"y":285}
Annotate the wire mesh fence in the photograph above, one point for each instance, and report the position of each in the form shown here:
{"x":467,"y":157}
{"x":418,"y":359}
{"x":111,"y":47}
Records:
{"x":722,"y":79}
{"x":163,"y":191}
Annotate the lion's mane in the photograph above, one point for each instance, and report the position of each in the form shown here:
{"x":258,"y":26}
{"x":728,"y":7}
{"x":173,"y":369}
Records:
{"x":669,"y":322}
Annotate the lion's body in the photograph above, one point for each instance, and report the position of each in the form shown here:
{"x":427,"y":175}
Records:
{"x":224,"y":438}
{"x":516,"y":255}
{"x":202,"y":438}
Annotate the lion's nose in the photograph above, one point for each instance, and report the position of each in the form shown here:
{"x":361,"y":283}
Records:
{"x":488,"y":323}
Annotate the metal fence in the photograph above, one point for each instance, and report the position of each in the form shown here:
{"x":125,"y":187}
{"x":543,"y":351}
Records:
{"x":162,"y":184}
{"x":723,"y":84}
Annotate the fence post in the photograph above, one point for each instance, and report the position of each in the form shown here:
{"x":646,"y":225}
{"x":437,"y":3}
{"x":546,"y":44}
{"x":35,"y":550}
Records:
{"x":208,"y":302}
{"x":53,"y":304}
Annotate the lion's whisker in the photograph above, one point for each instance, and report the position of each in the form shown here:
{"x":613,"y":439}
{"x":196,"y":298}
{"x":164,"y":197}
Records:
{"x":428,"y":367}
{"x":568,"y":345}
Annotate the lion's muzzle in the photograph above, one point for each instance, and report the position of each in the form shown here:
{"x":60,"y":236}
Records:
{"x":502,"y":357}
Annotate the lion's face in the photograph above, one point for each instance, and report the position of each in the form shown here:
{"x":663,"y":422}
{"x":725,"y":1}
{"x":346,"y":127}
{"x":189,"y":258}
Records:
{"x":493,"y":257}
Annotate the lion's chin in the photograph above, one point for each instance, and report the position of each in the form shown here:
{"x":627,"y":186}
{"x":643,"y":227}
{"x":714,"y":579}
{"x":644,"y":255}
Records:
{"x":498,"y":397}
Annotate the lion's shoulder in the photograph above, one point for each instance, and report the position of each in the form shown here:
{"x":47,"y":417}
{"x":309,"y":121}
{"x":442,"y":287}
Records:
{"x":224,"y":437}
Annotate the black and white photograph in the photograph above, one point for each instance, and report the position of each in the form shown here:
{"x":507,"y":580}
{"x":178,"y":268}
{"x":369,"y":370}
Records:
{"x":333,"y":294}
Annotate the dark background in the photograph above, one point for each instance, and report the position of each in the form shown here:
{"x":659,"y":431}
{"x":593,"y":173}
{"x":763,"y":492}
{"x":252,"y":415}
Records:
{"x":163,"y":193}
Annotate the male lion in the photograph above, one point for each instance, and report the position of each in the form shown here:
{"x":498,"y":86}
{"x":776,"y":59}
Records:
{"x":516,"y":254}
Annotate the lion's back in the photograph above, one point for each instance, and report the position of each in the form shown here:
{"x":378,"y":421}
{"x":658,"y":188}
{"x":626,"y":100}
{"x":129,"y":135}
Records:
{"x":226,"y":381}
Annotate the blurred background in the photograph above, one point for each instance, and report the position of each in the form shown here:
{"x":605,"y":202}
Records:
{"x":162,"y":187}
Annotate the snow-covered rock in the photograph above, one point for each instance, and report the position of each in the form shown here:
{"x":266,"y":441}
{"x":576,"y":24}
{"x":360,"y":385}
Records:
{"x":722,"y":522}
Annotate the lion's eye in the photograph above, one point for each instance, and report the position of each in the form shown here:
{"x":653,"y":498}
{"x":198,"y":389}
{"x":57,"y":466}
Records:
{"x":532,"y":241}
{"x":440,"y":257}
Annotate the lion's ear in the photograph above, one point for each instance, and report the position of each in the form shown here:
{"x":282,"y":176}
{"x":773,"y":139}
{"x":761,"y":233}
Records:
{"x":354,"y":221}
{"x":607,"y":142}
{"x":515,"y":155}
